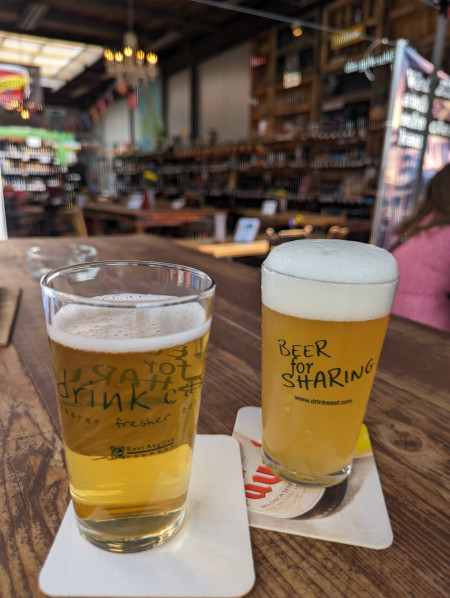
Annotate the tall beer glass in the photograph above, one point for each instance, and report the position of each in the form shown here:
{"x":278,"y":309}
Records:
{"x":128,"y":343}
{"x":325,"y":310}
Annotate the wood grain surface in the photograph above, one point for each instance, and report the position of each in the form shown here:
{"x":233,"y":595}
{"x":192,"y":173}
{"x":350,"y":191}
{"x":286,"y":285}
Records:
{"x":407,"y":418}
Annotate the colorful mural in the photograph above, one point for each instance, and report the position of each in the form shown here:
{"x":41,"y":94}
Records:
{"x":151,"y":114}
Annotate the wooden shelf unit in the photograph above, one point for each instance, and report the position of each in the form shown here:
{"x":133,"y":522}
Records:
{"x":284,"y":80}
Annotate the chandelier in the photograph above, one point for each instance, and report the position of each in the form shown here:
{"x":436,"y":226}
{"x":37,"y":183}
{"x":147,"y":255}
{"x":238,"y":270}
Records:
{"x":131,"y":63}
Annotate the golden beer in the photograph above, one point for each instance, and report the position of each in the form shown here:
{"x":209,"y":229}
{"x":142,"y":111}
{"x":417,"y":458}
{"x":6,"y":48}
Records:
{"x":128,"y":385}
{"x":321,"y":344}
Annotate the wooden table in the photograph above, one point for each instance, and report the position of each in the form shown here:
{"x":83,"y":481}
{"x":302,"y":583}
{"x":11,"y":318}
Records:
{"x":407,"y":418}
{"x":281,"y":219}
{"x":140,"y":220}
{"x":227,"y":249}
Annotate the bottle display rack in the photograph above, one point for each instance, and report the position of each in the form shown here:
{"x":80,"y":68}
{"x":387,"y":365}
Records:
{"x":36,"y":186}
{"x":29,"y":169}
{"x":310,"y":172}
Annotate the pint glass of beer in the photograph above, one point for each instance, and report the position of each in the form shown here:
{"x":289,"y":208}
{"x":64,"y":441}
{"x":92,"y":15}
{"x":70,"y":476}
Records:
{"x":128,"y":343}
{"x":325,"y":310}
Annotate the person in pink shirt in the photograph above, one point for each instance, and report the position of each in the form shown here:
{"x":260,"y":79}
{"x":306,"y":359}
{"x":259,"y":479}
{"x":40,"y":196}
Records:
{"x":422,"y":251}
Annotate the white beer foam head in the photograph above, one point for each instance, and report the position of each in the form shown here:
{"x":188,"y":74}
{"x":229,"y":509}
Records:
{"x":329,"y":279}
{"x":123,"y":329}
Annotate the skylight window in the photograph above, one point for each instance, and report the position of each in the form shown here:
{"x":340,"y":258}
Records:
{"x":59,"y":61}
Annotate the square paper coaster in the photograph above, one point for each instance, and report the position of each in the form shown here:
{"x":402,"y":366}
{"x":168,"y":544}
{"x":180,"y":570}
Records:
{"x":209,"y":556}
{"x":353,"y":512}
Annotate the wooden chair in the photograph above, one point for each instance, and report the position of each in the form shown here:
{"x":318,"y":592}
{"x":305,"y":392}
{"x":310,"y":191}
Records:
{"x":72,"y":221}
{"x":202,"y":229}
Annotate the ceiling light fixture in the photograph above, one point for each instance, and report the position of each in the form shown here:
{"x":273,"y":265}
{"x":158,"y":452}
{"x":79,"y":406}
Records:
{"x":131,"y":63}
{"x":296,"y":29}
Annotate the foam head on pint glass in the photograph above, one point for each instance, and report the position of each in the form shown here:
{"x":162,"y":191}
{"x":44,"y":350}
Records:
{"x":325,"y":310}
{"x":128,"y":343}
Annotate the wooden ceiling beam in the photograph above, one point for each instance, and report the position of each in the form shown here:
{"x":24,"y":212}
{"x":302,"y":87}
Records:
{"x":82,"y":30}
{"x":8,"y":12}
{"x":116,"y":10}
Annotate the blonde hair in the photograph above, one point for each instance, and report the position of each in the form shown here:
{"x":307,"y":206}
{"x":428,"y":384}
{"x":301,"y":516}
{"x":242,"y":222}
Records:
{"x":436,"y":203}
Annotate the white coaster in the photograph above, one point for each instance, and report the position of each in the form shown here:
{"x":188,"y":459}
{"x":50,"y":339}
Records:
{"x":210,"y":556}
{"x":353,"y":512}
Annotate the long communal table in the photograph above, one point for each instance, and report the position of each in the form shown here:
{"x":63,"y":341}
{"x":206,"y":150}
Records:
{"x":98,"y":216}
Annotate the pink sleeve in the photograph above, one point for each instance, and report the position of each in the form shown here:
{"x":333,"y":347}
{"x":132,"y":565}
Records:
{"x":423,"y":292}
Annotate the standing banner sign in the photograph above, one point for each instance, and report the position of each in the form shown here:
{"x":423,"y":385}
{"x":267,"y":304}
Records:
{"x":405,"y":129}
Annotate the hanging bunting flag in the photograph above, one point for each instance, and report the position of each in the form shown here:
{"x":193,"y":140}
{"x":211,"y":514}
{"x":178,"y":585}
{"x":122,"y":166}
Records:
{"x":132,"y":100}
{"x":86,"y":118}
{"x":101,"y":107}
{"x":109,"y":97}
{"x":94,"y":114}
{"x":122,"y":87}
